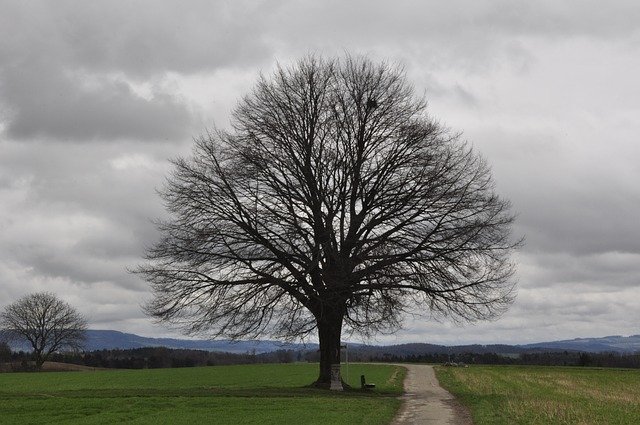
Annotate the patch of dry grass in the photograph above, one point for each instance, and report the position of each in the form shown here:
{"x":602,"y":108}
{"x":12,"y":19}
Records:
{"x":546,"y":395}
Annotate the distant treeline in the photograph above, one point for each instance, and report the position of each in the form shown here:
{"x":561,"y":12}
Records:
{"x":563,"y":358}
{"x":151,"y":358}
{"x":161,"y":357}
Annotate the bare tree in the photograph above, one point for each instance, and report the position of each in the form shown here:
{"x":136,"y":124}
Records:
{"x":334,"y":201}
{"x":47,"y":323}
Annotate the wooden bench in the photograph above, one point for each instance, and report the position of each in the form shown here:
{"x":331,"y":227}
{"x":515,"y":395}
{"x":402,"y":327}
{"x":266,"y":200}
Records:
{"x":364,"y":385}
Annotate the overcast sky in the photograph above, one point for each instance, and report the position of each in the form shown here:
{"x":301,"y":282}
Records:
{"x":95,"y":97}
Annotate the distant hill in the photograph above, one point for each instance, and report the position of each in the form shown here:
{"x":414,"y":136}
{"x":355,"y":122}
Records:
{"x":108,"y":339}
{"x":417,"y":349}
{"x":616,"y":343}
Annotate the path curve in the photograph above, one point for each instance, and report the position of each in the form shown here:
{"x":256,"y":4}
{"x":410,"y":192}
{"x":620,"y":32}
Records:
{"x":425,"y":402}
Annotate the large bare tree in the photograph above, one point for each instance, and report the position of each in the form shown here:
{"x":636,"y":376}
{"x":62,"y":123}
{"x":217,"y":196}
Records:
{"x":335,"y":201}
{"x":47,"y":323}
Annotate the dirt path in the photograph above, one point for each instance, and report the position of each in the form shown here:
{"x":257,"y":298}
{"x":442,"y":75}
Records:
{"x":425,"y":402}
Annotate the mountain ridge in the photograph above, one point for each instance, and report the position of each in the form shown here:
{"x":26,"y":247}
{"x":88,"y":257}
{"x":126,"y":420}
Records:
{"x":103,"y":339}
{"x":111,"y":339}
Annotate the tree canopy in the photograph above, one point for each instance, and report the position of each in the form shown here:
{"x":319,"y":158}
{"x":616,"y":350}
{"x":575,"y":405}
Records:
{"x":334,"y":200}
{"x":47,"y":323}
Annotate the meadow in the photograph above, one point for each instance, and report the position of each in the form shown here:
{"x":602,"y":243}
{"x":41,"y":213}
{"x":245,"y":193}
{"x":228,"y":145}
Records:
{"x":243,"y":394}
{"x":545,"y":395}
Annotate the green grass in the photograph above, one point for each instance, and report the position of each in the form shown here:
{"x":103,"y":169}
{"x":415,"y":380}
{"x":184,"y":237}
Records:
{"x":545,"y":395}
{"x":246,"y":394}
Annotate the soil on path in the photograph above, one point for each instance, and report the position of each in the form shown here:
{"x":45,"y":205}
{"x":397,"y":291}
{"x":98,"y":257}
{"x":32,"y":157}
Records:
{"x":425,"y":402}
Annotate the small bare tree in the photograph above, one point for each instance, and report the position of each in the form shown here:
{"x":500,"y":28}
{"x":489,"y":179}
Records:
{"x":334,"y":201}
{"x":47,"y":323}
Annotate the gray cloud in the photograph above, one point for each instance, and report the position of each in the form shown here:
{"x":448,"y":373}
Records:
{"x":459,"y":18}
{"x":573,"y":196}
{"x":141,"y":38}
{"x":61,"y":107}
{"x":68,"y":71}
{"x":570,"y":18}
{"x":80,"y":212}
{"x":544,"y":90}
{"x":475,"y":36}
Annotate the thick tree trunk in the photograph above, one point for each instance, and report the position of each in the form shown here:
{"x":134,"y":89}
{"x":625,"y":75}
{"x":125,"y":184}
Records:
{"x":329,"y":332}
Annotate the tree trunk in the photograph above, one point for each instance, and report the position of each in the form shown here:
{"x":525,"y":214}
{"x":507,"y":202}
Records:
{"x":39,"y":360}
{"x":329,"y":332}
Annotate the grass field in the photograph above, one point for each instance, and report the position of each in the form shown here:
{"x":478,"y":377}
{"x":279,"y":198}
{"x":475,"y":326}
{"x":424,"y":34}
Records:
{"x":545,"y":395}
{"x":246,"y":394}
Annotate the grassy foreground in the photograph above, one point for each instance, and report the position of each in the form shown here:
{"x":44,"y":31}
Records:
{"x":245,"y":394}
{"x":545,"y":395}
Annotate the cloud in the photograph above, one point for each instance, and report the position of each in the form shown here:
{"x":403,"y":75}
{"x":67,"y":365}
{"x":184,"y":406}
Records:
{"x":570,"y":18}
{"x":139,"y":39}
{"x":79,"y":213}
{"x":62,"y":107}
{"x":73,"y":217}
{"x":70,"y":71}
{"x":96,"y":96}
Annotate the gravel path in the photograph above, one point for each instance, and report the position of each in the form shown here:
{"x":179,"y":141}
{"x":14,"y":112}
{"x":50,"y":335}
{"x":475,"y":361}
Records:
{"x":425,"y":402}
